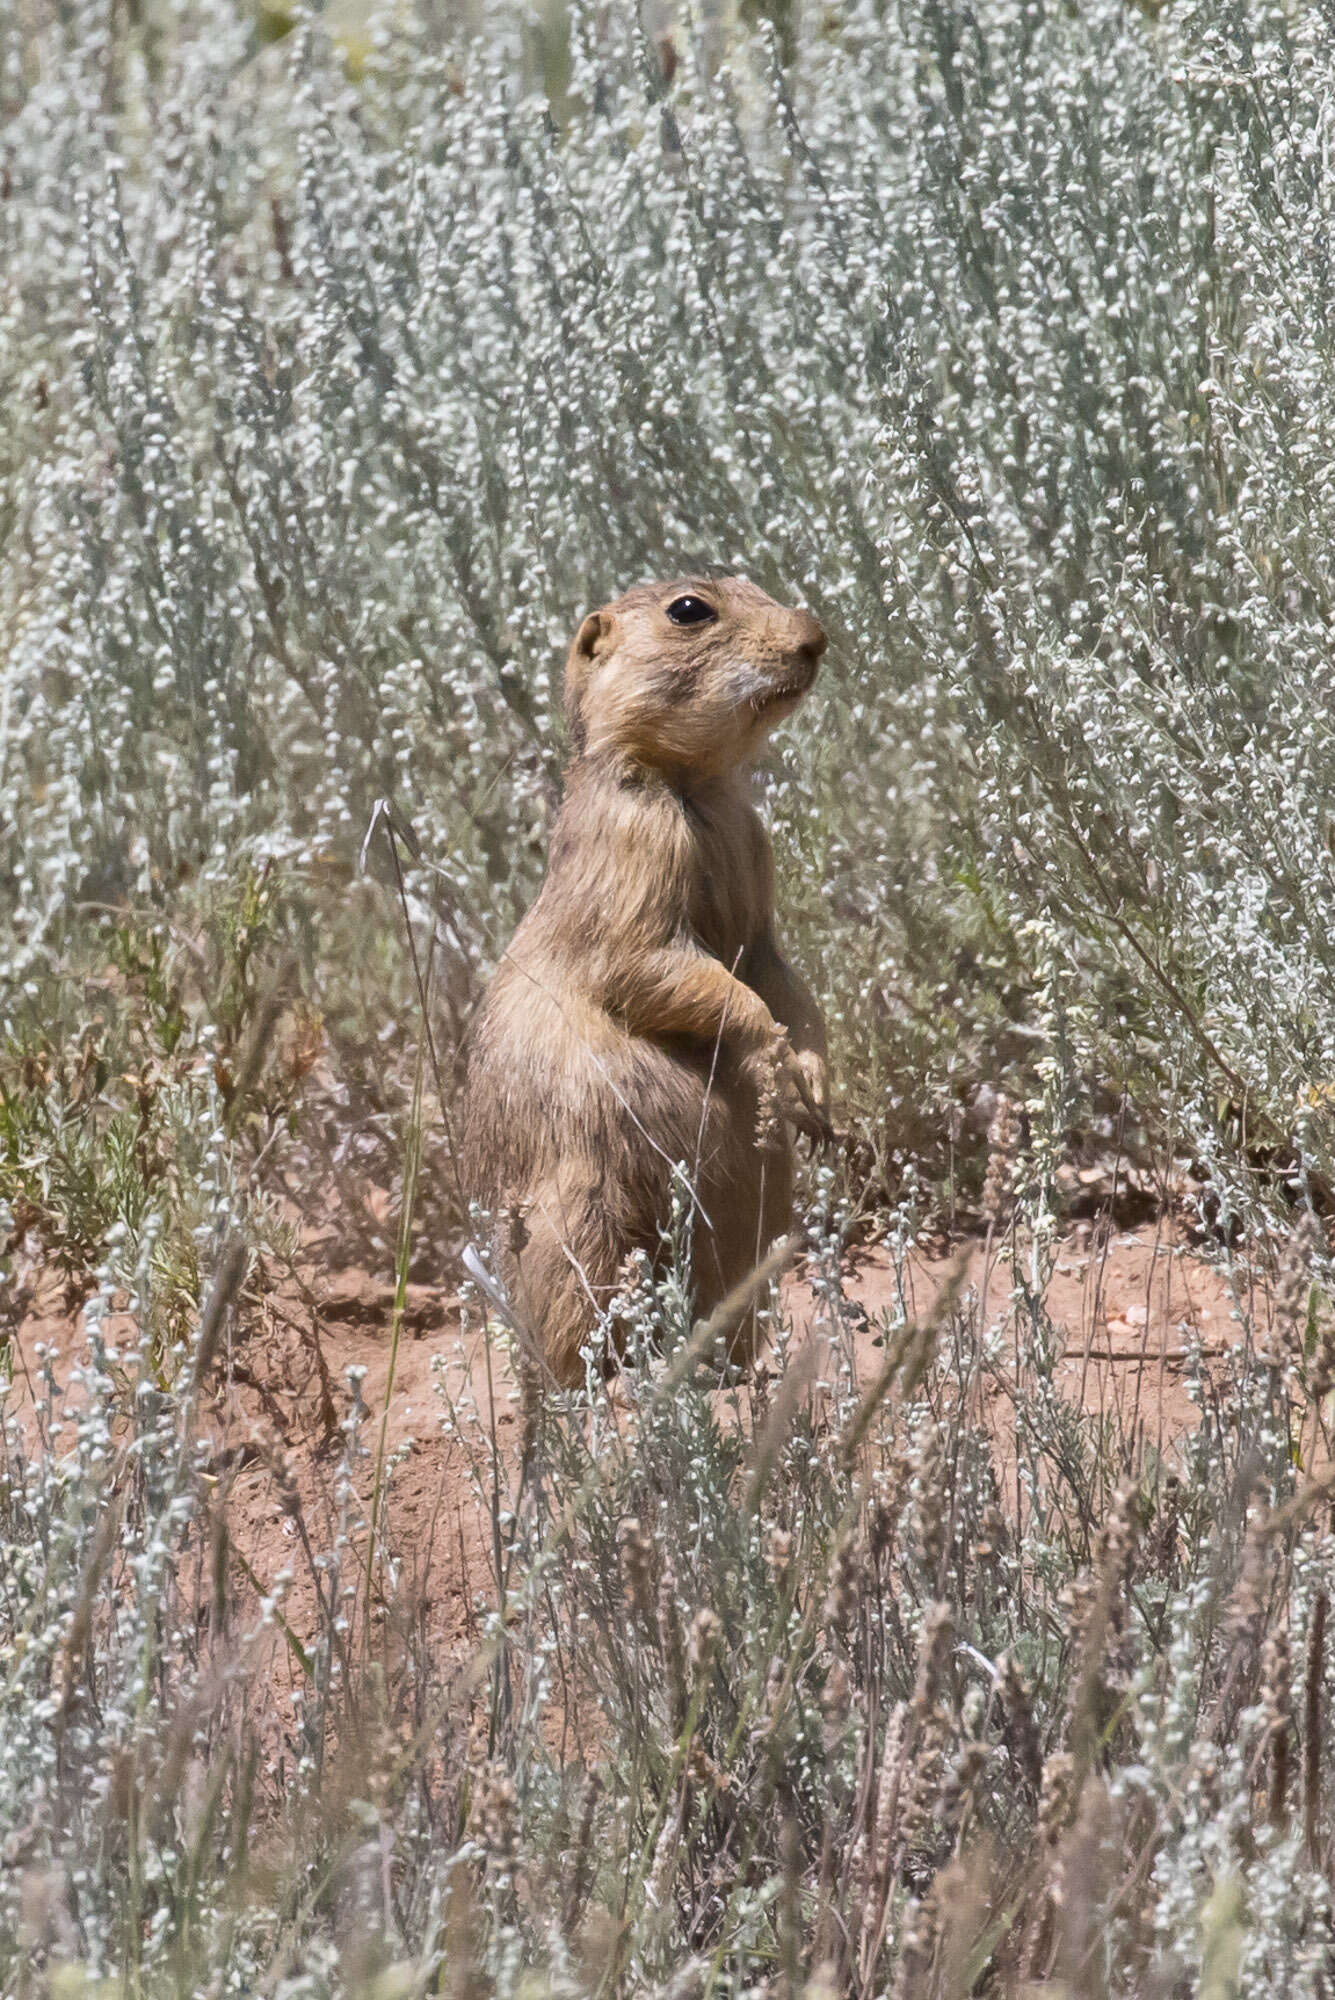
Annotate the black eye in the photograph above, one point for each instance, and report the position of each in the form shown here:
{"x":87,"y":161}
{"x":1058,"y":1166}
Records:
{"x":690,"y":611}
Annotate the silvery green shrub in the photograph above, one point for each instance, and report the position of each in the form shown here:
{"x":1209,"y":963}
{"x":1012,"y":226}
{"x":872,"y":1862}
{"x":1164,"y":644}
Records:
{"x":723,"y":1635}
{"x":339,"y":374}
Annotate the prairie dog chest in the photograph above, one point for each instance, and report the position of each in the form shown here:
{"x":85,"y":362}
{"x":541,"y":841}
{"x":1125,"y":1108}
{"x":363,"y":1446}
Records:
{"x":731,"y":872}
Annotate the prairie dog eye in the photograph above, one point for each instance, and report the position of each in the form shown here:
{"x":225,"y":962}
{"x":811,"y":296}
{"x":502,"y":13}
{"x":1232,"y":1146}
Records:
{"x":691,"y":611}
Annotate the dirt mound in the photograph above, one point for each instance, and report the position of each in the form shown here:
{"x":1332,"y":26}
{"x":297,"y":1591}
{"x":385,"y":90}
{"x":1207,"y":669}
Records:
{"x":312,"y":1386}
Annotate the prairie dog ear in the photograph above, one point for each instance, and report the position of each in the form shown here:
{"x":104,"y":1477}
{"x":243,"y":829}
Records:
{"x":593,"y":641}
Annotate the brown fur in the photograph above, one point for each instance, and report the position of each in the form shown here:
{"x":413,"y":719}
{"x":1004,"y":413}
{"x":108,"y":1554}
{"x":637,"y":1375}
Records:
{"x":644,"y":1000}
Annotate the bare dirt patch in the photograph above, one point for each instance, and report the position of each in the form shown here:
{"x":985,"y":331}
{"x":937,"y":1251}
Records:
{"x":1139,"y":1314}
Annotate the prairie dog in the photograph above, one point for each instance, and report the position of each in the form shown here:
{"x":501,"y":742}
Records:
{"x":644,"y":1014}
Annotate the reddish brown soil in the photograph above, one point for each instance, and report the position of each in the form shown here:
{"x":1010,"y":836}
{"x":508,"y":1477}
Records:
{"x":1127,"y":1304}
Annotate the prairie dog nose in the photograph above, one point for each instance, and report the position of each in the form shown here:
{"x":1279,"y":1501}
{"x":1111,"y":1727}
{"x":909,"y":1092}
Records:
{"x":808,"y":636}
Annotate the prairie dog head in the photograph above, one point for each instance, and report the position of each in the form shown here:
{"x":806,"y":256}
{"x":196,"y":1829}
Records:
{"x":689,"y":677}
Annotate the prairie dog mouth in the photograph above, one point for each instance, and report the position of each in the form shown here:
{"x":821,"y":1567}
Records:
{"x":789,"y":690}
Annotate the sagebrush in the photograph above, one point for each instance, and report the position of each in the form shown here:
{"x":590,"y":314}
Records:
{"x":346,"y":360}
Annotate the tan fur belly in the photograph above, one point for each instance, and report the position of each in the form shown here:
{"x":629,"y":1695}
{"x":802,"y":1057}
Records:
{"x":580,"y":1126}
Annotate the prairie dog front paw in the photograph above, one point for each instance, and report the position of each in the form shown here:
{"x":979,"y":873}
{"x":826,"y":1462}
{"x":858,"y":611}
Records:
{"x":816,"y":1077}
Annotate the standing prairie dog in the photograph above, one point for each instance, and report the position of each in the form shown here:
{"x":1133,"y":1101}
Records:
{"x":644,"y":1015}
